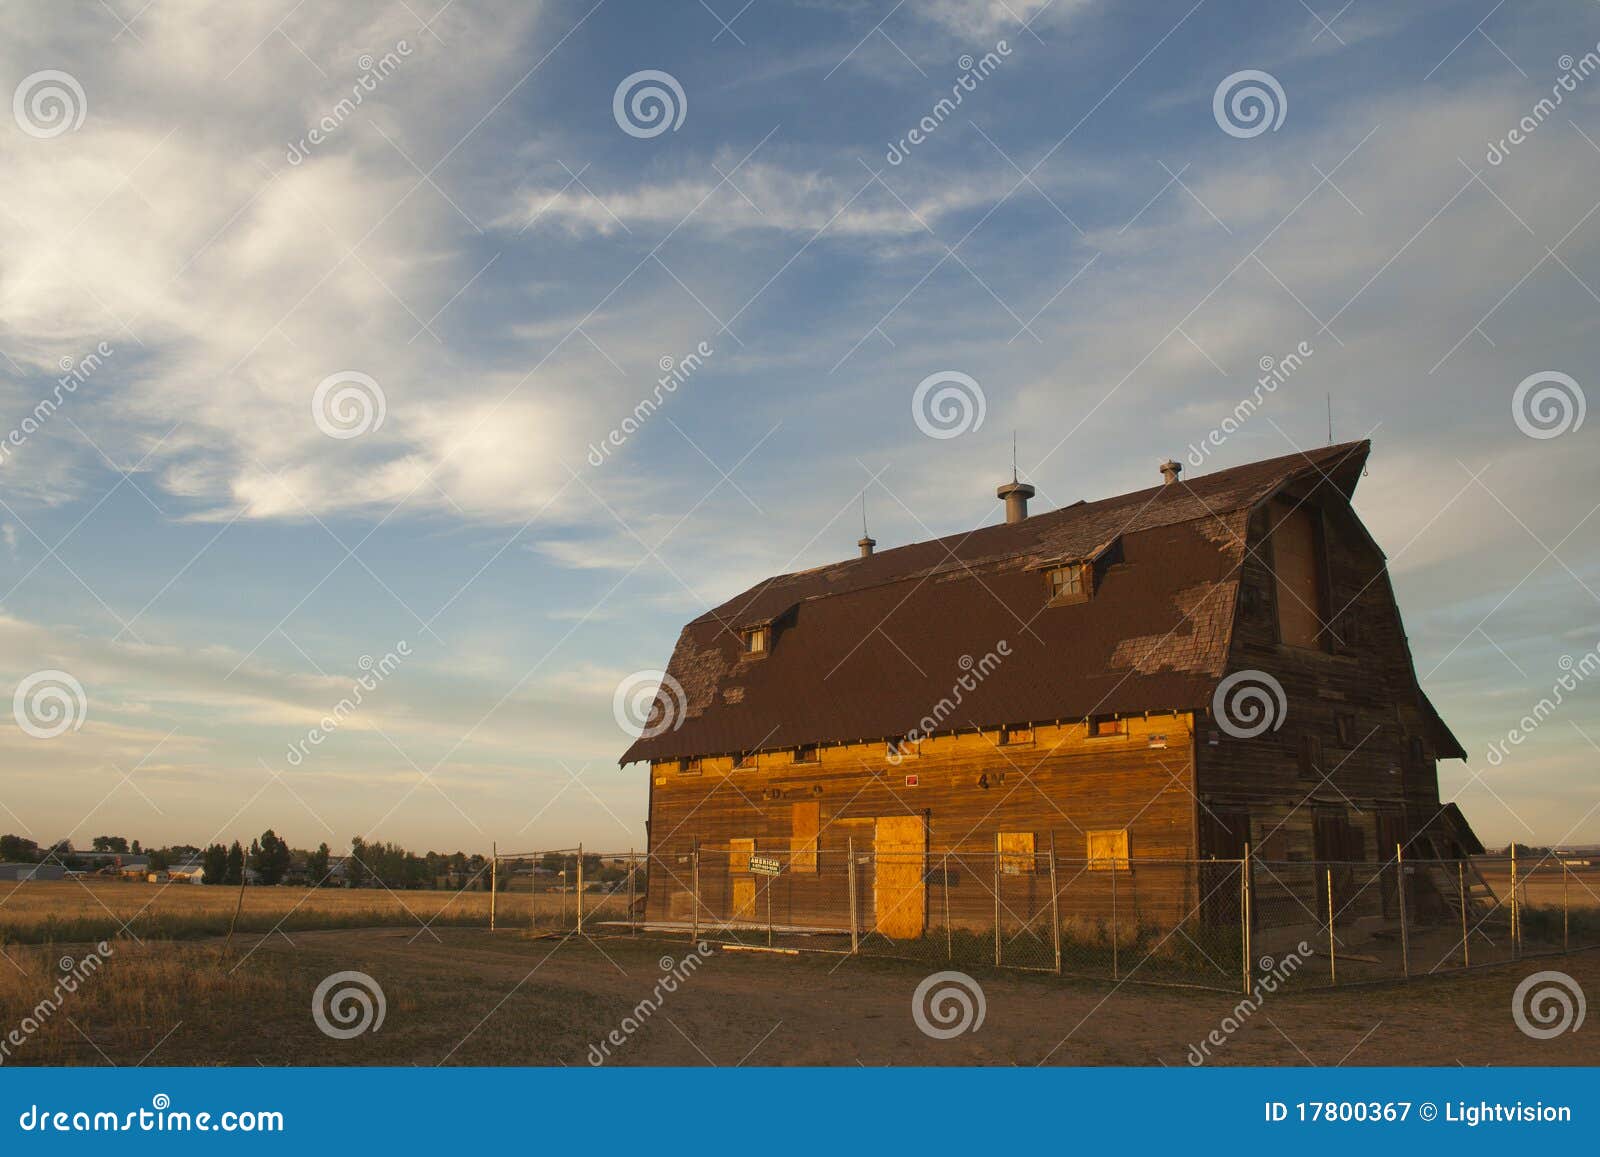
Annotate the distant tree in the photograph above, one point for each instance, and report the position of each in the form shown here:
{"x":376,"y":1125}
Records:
{"x":159,"y":860}
{"x":216,"y":864}
{"x":317,"y":864}
{"x":135,"y":849}
{"x":271,"y":857}
{"x":115,"y":844}
{"x":18,"y":849}
{"x":355,"y":868}
{"x":235,"y":872}
{"x":62,"y":852}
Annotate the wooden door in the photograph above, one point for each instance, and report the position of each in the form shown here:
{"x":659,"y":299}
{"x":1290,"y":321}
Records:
{"x":899,"y":893}
{"x":743,"y":883}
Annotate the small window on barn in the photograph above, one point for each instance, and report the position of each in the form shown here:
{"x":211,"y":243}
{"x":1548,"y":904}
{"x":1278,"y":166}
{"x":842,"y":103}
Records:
{"x":807,"y":753}
{"x":1068,"y":584}
{"x":1298,"y":564}
{"x":1419,"y":754}
{"x":744,"y":760}
{"x":1108,"y":850}
{"x":689,"y":766}
{"x":1010,"y":736}
{"x":1016,"y":853}
{"x":1310,"y":753}
{"x":1346,"y":723}
{"x":1104,"y":726}
{"x":756,"y":641}
{"x":901,"y":748}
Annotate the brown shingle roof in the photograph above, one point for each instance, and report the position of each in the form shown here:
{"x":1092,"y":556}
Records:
{"x":865,"y":648}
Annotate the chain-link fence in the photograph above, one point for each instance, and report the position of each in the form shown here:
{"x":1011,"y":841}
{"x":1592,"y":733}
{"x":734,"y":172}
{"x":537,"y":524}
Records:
{"x":1218,"y":924}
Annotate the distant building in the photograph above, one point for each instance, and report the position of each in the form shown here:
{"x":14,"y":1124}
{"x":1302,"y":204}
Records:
{"x":26,"y":872}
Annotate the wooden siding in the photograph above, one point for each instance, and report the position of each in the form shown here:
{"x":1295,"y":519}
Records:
{"x":966,"y":788}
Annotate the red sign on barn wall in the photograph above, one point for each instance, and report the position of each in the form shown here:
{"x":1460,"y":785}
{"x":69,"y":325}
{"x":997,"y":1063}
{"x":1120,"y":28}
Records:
{"x":911,"y":781}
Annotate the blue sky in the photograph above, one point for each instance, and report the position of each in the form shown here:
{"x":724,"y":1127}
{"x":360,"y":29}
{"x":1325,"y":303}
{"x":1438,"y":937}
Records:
{"x":481,"y":240}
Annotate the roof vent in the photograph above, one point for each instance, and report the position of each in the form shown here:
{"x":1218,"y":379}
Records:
{"x":1170,"y":471}
{"x":866,"y":544}
{"x":1016,"y":495}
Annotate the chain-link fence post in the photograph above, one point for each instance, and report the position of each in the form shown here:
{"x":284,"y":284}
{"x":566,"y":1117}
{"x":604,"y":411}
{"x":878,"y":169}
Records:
{"x":1461,"y":892}
{"x":850,"y":877}
{"x":1516,"y":929}
{"x":1244,"y":916}
{"x":1333,"y":955}
{"x":949,"y":935}
{"x":997,"y":900}
{"x":578,"y":896}
{"x":1055,"y":904}
{"x":633,"y":872}
{"x":771,"y":880}
{"x":694,"y":885}
{"x":494,"y":883}
{"x":1116,"y":926}
{"x":1565,"y":915}
{"x":1405,"y":929}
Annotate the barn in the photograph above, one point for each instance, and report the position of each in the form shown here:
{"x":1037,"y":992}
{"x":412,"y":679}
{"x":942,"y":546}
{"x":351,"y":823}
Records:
{"x":1135,"y":692}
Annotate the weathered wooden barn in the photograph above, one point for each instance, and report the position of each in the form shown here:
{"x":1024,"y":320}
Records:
{"x":1079,"y":680}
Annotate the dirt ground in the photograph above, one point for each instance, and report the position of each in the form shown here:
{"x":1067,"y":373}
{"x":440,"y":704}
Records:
{"x":469,"y":997}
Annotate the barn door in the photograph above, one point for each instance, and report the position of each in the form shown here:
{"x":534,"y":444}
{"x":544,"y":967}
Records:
{"x":744,"y":884}
{"x":899,"y":894}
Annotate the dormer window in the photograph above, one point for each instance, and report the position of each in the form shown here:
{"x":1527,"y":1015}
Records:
{"x":755,"y":642}
{"x":1068,"y":583}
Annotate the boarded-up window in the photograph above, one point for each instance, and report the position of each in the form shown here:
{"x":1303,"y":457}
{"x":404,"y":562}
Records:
{"x":807,"y":754}
{"x":805,"y":819}
{"x":739,"y":852}
{"x":1016,"y":853}
{"x":1296,"y":563}
{"x":1010,"y":735}
{"x":1108,"y":850}
{"x":1104,"y":725}
{"x":689,"y":766}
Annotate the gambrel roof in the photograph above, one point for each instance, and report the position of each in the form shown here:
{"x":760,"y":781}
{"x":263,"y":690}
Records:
{"x":864,"y":649}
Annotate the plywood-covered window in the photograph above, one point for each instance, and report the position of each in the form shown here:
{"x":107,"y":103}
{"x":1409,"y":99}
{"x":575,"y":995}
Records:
{"x":805,"y":822}
{"x":1102,"y":726}
{"x":1297,"y":567}
{"x":1108,"y":850}
{"x":1016,"y":853}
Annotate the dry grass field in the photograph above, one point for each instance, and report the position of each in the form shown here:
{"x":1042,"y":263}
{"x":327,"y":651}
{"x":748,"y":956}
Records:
{"x":470,"y":997}
{"x":87,"y":910}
